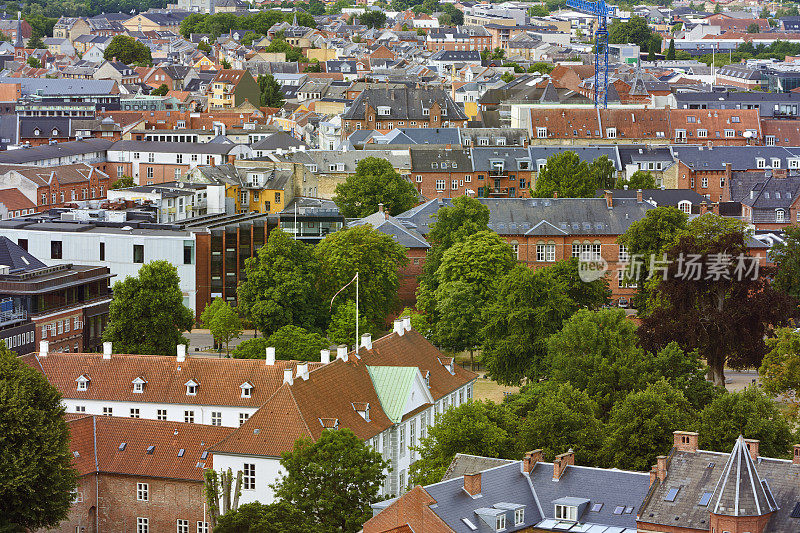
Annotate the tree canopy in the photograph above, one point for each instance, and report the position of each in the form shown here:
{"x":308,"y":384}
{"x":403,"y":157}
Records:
{"x":147,"y":315}
{"x":292,"y":342}
{"x":780,"y":369}
{"x":128,"y":50}
{"x":259,"y":23}
{"x":271,"y":95}
{"x":567,"y":176}
{"x":373,"y":19}
{"x":222,"y":321}
{"x":278,"y":517}
{"x":332,"y":481}
{"x":641,"y":179}
{"x":786,"y":255}
{"x":36,"y":473}
{"x":375,"y":182}
{"x":635,"y":30}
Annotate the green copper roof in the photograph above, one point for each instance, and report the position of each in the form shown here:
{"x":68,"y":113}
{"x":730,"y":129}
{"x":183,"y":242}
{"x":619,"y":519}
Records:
{"x":393,"y":385}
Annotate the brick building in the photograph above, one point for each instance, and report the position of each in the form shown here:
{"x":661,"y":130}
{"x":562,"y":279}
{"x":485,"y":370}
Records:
{"x":139,"y":475}
{"x":459,"y":38}
{"x":54,"y":187}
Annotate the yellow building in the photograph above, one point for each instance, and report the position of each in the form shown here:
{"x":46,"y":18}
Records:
{"x":322,"y":54}
{"x":231,"y":88}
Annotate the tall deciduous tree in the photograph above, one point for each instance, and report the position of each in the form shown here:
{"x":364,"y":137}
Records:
{"x":786,"y":255}
{"x":292,"y":342}
{"x":459,"y":307}
{"x":342,"y":328}
{"x":645,"y":239}
{"x":567,"y":176}
{"x":279,"y":288}
{"x":128,"y":50}
{"x":375,"y":182}
{"x":147,"y":314}
{"x":750,"y":413}
{"x":477,"y":428}
{"x":271,"y":95}
{"x":373,"y":19}
{"x":725,"y":320}
{"x":36,"y":473}
{"x":332,"y":481}
{"x":641,"y":426}
{"x":780,"y":369}
{"x":223,"y":322}
{"x":635,"y":30}
{"x":641,"y":179}
{"x":374,"y":255}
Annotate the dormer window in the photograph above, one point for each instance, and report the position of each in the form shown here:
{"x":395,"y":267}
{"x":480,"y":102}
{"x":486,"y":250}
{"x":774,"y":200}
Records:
{"x":83,"y":382}
{"x":500,"y":522}
{"x":362,"y":408}
{"x":138,"y":385}
{"x":567,"y":512}
{"x":384,"y":110}
{"x":329,"y":423}
{"x":428,"y":378}
{"x":247,"y":390}
{"x":191,"y":387}
{"x":55,"y":131}
{"x":425,"y":112}
{"x":37,"y":132}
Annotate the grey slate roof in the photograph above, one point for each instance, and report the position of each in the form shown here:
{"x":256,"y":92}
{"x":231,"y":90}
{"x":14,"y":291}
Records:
{"x":61,"y":87}
{"x":404,"y":103}
{"x":389,"y":225}
{"x":62,"y":149}
{"x":669,"y":197}
{"x":428,"y":160}
{"x":740,"y":157}
{"x":278,"y":140}
{"x":15,"y":257}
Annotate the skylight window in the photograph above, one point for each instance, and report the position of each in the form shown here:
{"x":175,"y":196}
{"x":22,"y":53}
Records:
{"x":671,"y":495}
{"x":150,"y":449}
{"x":472,"y":526}
{"x":122,"y":446}
{"x":181,"y":452}
{"x":705,"y":498}
{"x":619,"y":509}
{"x":597,"y":507}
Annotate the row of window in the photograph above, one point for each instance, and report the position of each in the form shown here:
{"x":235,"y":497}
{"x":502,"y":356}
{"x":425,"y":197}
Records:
{"x":151,"y":158}
{"x":161,"y":414}
{"x":20,"y":212}
{"x":57,"y":251}
{"x":61,"y":326}
{"x":61,"y":197}
{"x":143,"y":526}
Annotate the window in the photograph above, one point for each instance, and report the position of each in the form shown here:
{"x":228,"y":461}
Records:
{"x":138,"y":253}
{"x":151,"y":157}
{"x":515,"y":248}
{"x":102,"y":251}
{"x":202,"y":527}
{"x":704,"y":182}
{"x":183,"y":526}
{"x":179,"y":158}
{"x":769,"y":140}
{"x":149,"y":173}
{"x":55,"y":250}
{"x":191,"y":388}
{"x":454,"y":184}
{"x":188,"y":417}
{"x":249,"y":476}
{"x":567,"y":512}
{"x":519,"y":517}
{"x":80,"y":408}
{"x":691,"y":119}
{"x":780,"y":215}
{"x":108,"y":411}
{"x":611,"y":133}
{"x":142,"y":525}
{"x":776,"y":163}
{"x":243,"y":418}
{"x":735,"y":120}
{"x":161,"y":414}
{"x":419,"y":179}
{"x":541,"y":133}
{"x":188,"y":252}
{"x":216,"y":418}
{"x":729,"y":134}
{"x":500,"y":522}
{"x":702,"y":134}
{"x":142,"y":492}
{"x":685,"y":206}
{"x":134,"y":412}
{"x":402,"y":440}
{"x":83,"y":383}
{"x":440,"y":185}
{"x":545,"y":252}
{"x":761,"y":163}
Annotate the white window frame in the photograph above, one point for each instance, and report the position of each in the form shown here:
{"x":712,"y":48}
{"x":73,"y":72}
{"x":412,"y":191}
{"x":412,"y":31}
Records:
{"x":142,"y":492}
{"x":249,"y":476}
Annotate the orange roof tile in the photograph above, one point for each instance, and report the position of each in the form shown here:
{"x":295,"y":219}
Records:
{"x":14,"y":200}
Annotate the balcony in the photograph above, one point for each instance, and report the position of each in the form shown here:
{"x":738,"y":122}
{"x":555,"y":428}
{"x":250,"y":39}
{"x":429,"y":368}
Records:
{"x":498,"y":191}
{"x":498,"y":173}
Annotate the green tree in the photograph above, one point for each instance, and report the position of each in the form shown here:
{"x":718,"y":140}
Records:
{"x":563,"y":418}
{"x":780,"y":369}
{"x":478,"y":428}
{"x":279,"y":287}
{"x":292,"y":342}
{"x":123,"y":183}
{"x":34,"y":62}
{"x":753,"y":28}
{"x":641,"y":426}
{"x":161,"y":90}
{"x":375,"y":256}
{"x":459,"y":306}
{"x":271,"y":95}
{"x":204,"y":47}
{"x":635,"y":30}
{"x":36,"y":473}
{"x":373,"y":19}
{"x":226,"y":65}
{"x":786,"y":255}
{"x":530,"y":306}
{"x":750,"y":413}
{"x":252,"y":349}
{"x":342,"y":329}
{"x":641,"y":179}
{"x":332,"y":481}
{"x":419,"y":322}
{"x":375,"y":182}
{"x":671,"y":50}
{"x":278,"y":517}
{"x":645,"y":238}
{"x":128,"y":50}
{"x":36,"y":42}
{"x":147,"y":315}
{"x":718,"y":8}
{"x":725,"y":320}
{"x":507,"y":77}
{"x":223,"y":322}
{"x":569,"y":177}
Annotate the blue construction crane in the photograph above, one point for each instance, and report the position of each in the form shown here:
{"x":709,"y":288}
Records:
{"x":602,"y":11}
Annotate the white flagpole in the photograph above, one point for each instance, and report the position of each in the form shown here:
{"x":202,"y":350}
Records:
{"x":357,"y":337}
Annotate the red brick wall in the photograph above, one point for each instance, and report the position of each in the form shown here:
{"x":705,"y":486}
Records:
{"x":66,"y":340}
{"x":202,"y":272}
{"x":409,"y":276}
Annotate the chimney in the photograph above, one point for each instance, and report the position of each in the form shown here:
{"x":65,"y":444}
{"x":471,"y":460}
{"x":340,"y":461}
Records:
{"x":380,"y":209}
{"x":685,"y":441}
{"x":325,"y":356}
{"x":302,"y":371}
{"x":398,"y":327}
{"x":703,"y":207}
{"x":653,"y":475}
{"x":609,"y":199}
{"x":407,"y":323}
{"x":270,"y":355}
{"x":661,"y":467}
{"x":366,"y":341}
{"x":44,"y":348}
{"x":530,"y":460}
{"x":779,"y":173}
{"x":796,"y":454}
{"x":181,"y":353}
{"x":752,"y":447}
{"x":472,"y":483}
{"x":639,"y":195}
{"x":106,"y":350}
{"x":561,"y":462}
{"x":341,"y":352}
{"x":287,"y":376}
{"x":555,"y":195}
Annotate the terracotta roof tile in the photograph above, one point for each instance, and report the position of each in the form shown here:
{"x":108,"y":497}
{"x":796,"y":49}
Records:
{"x":14,"y":200}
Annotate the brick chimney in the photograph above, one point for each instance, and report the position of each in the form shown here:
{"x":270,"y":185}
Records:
{"x":561,"y":462}
{"x":661,"y":467}
{"x":472,"y":483}
{"x":609,"y":199}
{"x":779,"y":173}
{"x":685,"y":441}
{"x":703,"y":207}
{"x":752,"y":447}
{"x":530,"y":460}
{"x":639,"y":196}
{"x":653,"y":475}
{"x":555,"y":195}
{"x":796,"y":454}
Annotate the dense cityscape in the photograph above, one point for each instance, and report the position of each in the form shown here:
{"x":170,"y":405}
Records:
{"x":406,"y":266}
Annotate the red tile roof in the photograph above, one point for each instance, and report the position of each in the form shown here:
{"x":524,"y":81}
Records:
{"x":14,"y":200}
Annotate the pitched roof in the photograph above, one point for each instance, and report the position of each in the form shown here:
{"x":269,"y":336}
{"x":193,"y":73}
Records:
{"x":464,"y":463}
{"x":393,"y":384}
{"x":14,"y":200}
{"x":17,"y":258}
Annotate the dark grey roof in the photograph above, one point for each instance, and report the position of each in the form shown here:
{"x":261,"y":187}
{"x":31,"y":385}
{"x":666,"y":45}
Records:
{"x":404,"y":103}
{"x":669,"y":197}
{"x":173,"y":147}
{"x":48,"y":127}
{"x":61,"y":87}
{"x":428,"y":159}
{"x":464,"y":463}
{"x":391,"y":226}
{"x":278,"y":140}
{"x":62,"y":149}
{"x":740,"y":157}
{"x":17,"y":258}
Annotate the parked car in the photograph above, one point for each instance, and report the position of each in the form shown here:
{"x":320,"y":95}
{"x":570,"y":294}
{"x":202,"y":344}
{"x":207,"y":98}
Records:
{"x":623,"y":302}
